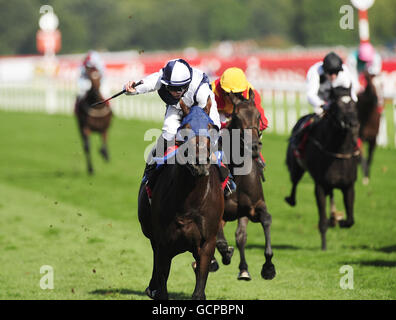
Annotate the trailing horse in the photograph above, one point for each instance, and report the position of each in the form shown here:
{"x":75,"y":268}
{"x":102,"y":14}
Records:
{"x":93,"y":119}
{"x":369,"y":118}
{"x":187,"y":205}
{"x":330,"y":155}
{"x":248,"y":202}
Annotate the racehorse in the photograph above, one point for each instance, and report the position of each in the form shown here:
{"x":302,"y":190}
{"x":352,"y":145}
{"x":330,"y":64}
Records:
{"x":369,"y":118}
{"x":93,"y":119}
{"x":187,"y":205}
{"x":248,"y":202}
{"x":331,"y":156}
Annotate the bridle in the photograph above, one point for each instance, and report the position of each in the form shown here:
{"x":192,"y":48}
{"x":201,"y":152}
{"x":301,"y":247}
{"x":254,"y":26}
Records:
{"x":343,"y":126}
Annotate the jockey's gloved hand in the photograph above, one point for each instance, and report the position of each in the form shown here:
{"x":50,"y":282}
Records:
{"x":318,"y":111}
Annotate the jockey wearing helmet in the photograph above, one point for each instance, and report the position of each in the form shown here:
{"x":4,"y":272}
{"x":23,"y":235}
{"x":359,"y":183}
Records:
{"x":366,"y":60}
{"x":325,"y":75}
{"x":176,"y":83}
{"x":321,"y":78}
{"x":91,"y":61}
{"x":234,"y":81}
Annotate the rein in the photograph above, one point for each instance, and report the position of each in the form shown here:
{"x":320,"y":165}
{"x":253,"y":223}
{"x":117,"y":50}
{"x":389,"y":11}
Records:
{"x":336,"y":155}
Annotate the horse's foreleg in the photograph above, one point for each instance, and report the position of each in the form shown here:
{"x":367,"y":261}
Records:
{"x":323,"y":222}
{"x":268,"y":270}
{"x":296,"y":173}
{"x":371,"y":147}
{"x":162,"y":263}
{"x":349,"y":199}
{"x":334,"y":214}
{"x":203,"y":256}
{"x":222,"y":245}
{"x":85,"y":136}
{"x":152,"y":289}
{"x":241,"y":237}
{"x":103,"y":150}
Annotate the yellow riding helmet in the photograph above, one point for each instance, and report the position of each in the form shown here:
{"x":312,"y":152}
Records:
{"x":233,"y":80}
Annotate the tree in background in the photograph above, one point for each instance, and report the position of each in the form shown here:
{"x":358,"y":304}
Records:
{"x":174,"y":24}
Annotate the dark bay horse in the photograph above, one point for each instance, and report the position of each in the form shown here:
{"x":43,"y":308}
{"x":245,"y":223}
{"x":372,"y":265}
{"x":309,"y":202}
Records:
{"x":331,"y":157}
{"x":93,"y":119}
{"x":248,"y":202}
{"x":186,"y":208}
{"x":369,"y":118}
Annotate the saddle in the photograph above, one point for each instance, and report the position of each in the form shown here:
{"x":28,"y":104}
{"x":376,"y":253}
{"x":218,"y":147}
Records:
{"x":153,"y":171}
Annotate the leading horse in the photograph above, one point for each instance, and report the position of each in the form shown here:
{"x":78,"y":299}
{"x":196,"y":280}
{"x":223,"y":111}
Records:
{"x":331,"y":156}
{"x":248,"y":202}
{"x":186,"y":208}
{"x":93,"y":119}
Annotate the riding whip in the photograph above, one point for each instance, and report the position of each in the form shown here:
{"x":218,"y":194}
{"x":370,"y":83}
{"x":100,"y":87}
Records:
{"x":116,"y":95}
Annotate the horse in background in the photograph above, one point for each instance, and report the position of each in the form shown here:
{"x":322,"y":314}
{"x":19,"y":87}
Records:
{"x":369,"y":118}
{"x":331,"y":156}
{"x":93,"y":119}
{"x":187,"y":204}
{"x":248,"y":202}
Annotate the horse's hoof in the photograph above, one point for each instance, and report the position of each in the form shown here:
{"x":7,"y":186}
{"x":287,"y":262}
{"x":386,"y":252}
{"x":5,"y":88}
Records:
{"x":104,"y":154}
{"x":150,"y":293}
{"x":365,"y":181}
{"x":345,"y":224}
{"x":332,"y":222}
{"x":213,"y":266}
{"x":90,"y":171}
{"x":290,"y":201}
{"x":244,"y":275}
{"x":268,"y":271}
{"x":226,"y":259}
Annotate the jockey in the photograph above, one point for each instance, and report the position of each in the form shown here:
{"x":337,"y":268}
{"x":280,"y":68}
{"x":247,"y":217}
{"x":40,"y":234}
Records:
{"x":177,"y":83}
{"x":325,"y":75}
{"x":366,"y":59}
{"x":233,"y":81}
{"x":321,"y":78}
{"x":91,"y":61}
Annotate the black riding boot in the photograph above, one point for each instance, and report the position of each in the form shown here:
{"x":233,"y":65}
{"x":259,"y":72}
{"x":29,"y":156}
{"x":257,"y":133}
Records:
{"x":226,"y":178}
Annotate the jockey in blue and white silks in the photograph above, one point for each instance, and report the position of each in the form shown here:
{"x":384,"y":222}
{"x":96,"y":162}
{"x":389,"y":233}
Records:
{"x":177,"y":80}
{"x":177,"y":83}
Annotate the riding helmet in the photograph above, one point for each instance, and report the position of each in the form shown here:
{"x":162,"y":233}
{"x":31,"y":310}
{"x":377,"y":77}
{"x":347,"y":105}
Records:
{"x":233,"y":80}
{"x":332,"y":63}
{"x":176,"y":73}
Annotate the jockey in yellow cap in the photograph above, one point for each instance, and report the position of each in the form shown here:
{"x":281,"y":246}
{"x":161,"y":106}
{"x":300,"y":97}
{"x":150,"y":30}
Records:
{"x":233,"y":80}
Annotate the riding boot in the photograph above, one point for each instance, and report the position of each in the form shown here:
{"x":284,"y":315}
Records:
{"x":297,"y":140}
{"x":152,"y":170}
{"x":227,"y":181}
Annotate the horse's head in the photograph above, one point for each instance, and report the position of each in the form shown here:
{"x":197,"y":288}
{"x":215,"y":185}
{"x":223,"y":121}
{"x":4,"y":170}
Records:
{"x":246,"y":117}
{"x":196,"y":130}
{"x":343,"y":109}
